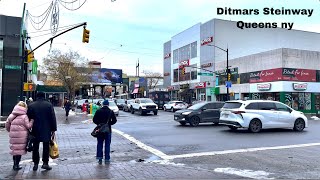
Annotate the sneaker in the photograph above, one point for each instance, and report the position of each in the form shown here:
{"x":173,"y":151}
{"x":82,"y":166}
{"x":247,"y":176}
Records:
{"x":100,"y":161}
{"x":46,"y":167}
{"x":107,"y":161}
{"x":35,"y":167}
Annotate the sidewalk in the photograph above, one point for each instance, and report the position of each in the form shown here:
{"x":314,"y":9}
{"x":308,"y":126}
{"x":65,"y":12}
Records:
{"x":77,"y":158}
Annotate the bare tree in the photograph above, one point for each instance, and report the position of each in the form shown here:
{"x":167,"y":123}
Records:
{"x":153,"y":78}
{"x":69,"y":68}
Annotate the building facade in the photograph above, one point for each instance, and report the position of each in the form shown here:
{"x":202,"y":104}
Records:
{"x":190,"y":57}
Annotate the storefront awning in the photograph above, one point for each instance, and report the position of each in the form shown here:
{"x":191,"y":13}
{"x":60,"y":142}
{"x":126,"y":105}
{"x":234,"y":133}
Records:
{"x":135,"y":91}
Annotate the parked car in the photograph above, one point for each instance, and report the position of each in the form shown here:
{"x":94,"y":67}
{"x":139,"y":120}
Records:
{"x":143,"y":106}
{"x":261,"y":114}
{"x":127,"y":105}
{"x":113,"y":106}
{"x":175,"y":105}
{"x":120,"y":103}
{"x":203,"y":112}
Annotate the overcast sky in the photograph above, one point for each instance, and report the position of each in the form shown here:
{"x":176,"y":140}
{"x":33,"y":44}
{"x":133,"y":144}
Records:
{"x":124,"y":31}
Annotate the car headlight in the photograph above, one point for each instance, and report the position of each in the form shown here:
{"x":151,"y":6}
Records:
{"x":186,"y":113}
{"x":156,"y":107}
{"x":143,"y":107}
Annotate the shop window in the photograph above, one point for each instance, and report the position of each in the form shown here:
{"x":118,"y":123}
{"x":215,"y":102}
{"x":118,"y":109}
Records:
{"x":298,"y":101}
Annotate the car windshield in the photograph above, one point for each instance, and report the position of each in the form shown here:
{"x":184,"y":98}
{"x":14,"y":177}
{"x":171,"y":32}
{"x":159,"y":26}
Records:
{"x":120,"y":100}
{"x":112,"y":103}
{"x":197,"y":106}
{"x":146,"y":101}
{"x":232,"y":105}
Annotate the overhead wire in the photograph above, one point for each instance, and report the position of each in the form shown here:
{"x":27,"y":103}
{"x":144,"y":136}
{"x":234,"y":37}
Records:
{"x":50,"y":29}
{"x":60,"y":29}
{"x":61,"y":2}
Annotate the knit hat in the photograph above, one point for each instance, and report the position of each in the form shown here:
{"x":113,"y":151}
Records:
{"x":105,"y":103}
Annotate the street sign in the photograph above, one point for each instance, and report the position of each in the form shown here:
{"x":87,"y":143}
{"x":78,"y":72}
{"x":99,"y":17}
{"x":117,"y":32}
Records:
{"x":205,"y":74}
{"x":228,"y":84}
{"x":212,"y":90}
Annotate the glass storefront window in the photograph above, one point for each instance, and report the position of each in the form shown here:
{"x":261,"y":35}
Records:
{"x":298,"y":100}
{"x":274,"y":96}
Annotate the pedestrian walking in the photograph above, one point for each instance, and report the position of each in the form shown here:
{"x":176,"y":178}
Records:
{"x":102,"y":116}
{"x":67,"y":107}
{"x":43,"y":129}
{"x":18,"y":125}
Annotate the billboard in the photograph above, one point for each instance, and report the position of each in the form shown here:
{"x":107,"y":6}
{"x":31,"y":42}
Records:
{"x":105,"y":75}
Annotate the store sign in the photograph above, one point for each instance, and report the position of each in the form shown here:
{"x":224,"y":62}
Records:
{"x":224,"y":72}
{"x":183,"y":64}
{"x":167,"y":55}
{"x":264,"y":87}
{"x":290,"y":74}
{"x":201,"y":85}
{"x":206,"y":65}
{"x":170,"y":88}
{"x":266,"y":75}
{"x":300,"y":86}
{"x":206,"y":41}
{"x":166,"y":74}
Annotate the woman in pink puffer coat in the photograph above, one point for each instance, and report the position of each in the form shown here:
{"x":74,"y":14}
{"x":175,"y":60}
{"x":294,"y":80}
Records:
{"x":17,"y":125}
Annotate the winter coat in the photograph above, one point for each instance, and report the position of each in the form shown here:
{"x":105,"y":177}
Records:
{"x":44,"y":120}
{"x":17,"y":125}
{"x":103,"y":114}
{"x":67,"y":106}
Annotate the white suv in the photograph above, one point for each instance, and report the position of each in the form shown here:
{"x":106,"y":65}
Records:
{"x":261,"y":114}
{"x":175,"y":105}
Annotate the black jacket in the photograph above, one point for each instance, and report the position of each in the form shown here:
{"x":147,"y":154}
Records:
{"x":67,"y":106}
{"x":103,"y":114}
{"x":44,"y":119}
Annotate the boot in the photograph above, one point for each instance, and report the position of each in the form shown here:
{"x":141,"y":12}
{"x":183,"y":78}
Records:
{"x":46,"y":166}
{"x":16,"y":161}
{"x":35,"y":167}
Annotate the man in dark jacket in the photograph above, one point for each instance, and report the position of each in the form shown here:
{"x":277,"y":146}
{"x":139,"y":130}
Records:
{"x":43,"y":129}
{"x":67,"y":107}
{"x":102,"y":116}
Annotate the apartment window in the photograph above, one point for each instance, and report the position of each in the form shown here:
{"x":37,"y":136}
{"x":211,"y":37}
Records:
{"x":1,"y":53}
{"x":194,"y":49}
{"x":175,"y":56}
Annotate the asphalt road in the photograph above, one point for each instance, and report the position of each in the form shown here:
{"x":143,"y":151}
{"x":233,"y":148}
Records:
{"x":290,"y":155}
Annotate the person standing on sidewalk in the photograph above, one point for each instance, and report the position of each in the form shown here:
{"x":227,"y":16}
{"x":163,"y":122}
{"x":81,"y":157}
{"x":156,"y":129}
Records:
{"x":18,"y":125}
{"x":104,"y":115}
{"x":67,"y":107}
{"x":44,"y":127}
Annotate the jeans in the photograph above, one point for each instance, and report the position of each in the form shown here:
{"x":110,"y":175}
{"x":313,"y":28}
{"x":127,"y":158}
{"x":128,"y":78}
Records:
{"x":107,"y":140}
{"x":45,"y":152}
{"x":67,"y":112}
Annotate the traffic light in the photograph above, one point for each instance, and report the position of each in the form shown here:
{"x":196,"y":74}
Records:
{"x":29,"y":87}
{"x":85,"y":36}
{"x":229,"y":76}
{"x":183,"y":70}
{"x":30,"y":56}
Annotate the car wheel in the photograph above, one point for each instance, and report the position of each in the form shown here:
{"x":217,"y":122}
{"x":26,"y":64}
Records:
{"x":183,"y":123}
{"x":140,"y":111}
{"x":171,"y":109}
{"x":194,"y":121}
{"x":155,"y":112}
{"x":299,"y":125}
{"x":164,"y":108}
{"x":132,"y":111}
{"x":255,"y":125}
{"x":233,"y":128}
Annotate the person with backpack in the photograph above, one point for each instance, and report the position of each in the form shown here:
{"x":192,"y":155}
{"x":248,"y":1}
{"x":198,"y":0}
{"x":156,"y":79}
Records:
{"x":102,"y":116}
{"x":18,"y":125}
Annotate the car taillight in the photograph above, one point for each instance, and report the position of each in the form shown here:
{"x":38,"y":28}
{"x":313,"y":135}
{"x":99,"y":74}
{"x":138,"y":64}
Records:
{"x":238,"y":112}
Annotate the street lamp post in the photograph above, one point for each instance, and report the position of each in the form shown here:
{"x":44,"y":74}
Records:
{"x":228,"y":71}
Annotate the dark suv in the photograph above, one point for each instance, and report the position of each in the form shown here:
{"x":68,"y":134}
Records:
{"x":203,"y":112}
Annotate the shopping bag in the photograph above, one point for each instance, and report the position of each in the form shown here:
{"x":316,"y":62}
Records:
{"x":53,"y":149}
{"x":30,"y":140}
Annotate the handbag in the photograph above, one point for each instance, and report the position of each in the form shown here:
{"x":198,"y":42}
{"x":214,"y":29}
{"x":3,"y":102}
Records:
{"x":53,"y":148}
{"x":30,"y":140}
{"x":100,"y":130}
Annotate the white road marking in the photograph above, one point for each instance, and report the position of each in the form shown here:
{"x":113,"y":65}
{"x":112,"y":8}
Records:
{"x":142,"y":145}
{"x":242,"y":150}
{"x":244,"y":173}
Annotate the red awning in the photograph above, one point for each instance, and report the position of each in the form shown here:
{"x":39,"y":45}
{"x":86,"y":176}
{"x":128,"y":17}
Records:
{"x":135,"y":91}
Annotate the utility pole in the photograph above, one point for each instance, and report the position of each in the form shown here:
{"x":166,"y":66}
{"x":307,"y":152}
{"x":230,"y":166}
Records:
{"x":228,"y":72}
{"x":21,"y":53}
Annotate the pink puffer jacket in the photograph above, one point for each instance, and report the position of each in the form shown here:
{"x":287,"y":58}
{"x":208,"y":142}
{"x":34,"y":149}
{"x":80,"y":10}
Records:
{"x":17,"y":125}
